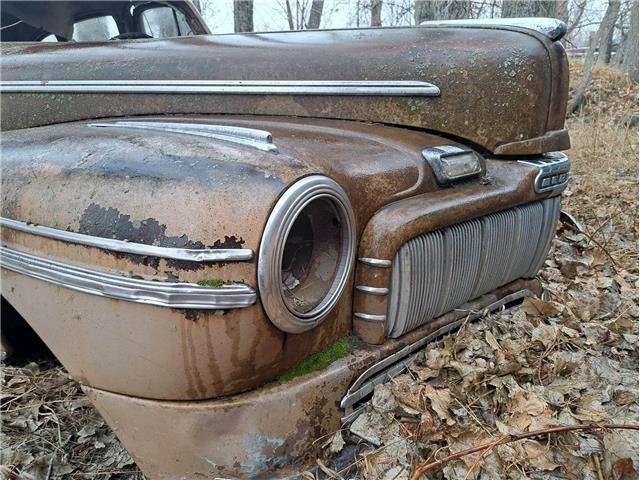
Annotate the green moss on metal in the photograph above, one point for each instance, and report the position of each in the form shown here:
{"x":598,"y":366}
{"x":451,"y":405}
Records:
{"x":321,"y":360}
{"x":214,"y":283}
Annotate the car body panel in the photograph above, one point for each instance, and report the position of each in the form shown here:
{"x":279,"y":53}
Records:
{"x":498,"y":85}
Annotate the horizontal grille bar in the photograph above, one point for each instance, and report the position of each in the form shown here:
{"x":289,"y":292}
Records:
{"x":438,"y":271}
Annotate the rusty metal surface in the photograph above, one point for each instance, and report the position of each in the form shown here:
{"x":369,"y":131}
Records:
{"x":506,"y":184}
{"x":167,"y":189}
{"x":257,"y":433}
{"x":126,"y":184}
{"x":159,"y":352}
{"x":498,"y":85}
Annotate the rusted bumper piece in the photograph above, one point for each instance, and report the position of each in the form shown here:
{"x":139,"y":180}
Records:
{"x":272,"y":430}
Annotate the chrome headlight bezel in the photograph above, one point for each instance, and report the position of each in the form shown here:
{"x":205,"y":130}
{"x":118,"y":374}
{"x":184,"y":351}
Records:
{"x":270,"y":256}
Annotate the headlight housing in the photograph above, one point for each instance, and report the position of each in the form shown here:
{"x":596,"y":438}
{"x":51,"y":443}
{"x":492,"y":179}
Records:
{"x":306,"y":254}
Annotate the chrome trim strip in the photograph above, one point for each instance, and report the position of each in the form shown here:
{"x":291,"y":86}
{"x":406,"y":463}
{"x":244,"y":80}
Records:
{"x":553,"y":171}
{"x":191,"y":255}
{"x":163,"y":294}
{"x":394,"y":88}
{"x":395,"y":363}
{"x":369,"y":317}
{"x":260,"y":139}
{"x":375,"y":262}
{"x":553,"y":28}
{"x":568,"y":219}
{"x":372,"y":290}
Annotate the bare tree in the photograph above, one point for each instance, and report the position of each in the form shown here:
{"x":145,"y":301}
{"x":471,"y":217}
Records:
{"x":315,"y":14}
{"x":606,"y":47}
{"x":198,"y":5}
{"x":400,"y":12}
{"x":534,"y":8}
{"x":442,"y":10}
{"x":243,"y":15}
{"x":289,"y":15}
{"x":376,"y":13}
{"x":603,"y":31}
{"x":628,"y":52}
{"x":579,"y":9}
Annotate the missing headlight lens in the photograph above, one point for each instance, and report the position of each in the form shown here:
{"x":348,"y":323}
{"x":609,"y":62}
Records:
{"x":311,"y":256}
{"x":306,"y":254}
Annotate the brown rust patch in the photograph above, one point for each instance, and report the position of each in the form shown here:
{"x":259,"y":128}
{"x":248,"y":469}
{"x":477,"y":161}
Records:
{"x":109,"y":222}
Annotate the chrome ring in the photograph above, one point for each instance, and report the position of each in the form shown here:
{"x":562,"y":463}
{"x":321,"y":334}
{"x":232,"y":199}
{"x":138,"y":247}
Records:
{"x":279,"y":224}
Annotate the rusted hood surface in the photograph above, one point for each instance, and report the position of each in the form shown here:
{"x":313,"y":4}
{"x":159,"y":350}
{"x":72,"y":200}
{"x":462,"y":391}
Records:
{"x":498,"y":85}
{"x":172,"y":189}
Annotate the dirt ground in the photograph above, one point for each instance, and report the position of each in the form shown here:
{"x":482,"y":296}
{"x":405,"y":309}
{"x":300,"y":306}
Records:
{"x":570,"y":360}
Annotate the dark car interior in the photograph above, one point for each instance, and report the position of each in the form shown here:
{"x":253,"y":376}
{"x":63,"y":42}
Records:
{"x":72,"y":21}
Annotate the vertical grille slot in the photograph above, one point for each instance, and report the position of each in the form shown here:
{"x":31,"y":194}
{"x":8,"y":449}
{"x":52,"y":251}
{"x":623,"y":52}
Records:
{"x":435,"y":272}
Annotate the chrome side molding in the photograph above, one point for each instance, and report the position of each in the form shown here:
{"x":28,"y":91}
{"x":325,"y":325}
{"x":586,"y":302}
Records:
{"x":395,"y":363}
{"x":372,"y":290}
{"x":259,"y":139}
{"x":393,"y":88}
{"x":191,"y":255}
{"x":553,"y":28}
{"x":553,"y":171}
{"x":375,"y":262}
{"x":370,"y":317}
{"x":163,"y":294}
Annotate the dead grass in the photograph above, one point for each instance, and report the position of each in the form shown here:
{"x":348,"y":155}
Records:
{"x":609,"y":94}
{"x":604,"y":155}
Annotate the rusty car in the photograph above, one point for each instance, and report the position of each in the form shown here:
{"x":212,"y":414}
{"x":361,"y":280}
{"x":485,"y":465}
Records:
{"x":229,"y":240}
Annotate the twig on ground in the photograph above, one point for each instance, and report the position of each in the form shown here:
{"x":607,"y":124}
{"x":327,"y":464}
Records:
{"x":598,"y":467}
{"x":514,"y":437}
{"x":480,"y":457}
{"x":591,"y":239}
{"x":331,"y":473}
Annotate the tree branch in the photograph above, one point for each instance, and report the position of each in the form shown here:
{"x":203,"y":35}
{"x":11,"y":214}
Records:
{"x":514,"y":437}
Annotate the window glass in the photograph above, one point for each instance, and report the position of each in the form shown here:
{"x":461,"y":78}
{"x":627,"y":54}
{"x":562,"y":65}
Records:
{"x":163,"y":22}
{"x":49,"y":38}
{"x":95,"y":29}
{"x":183,"y":25}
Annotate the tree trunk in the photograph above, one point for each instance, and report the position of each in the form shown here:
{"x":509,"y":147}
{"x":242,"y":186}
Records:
{"x":315,"y":14}
{"x":532,"y":8}
{"x":442,"y":10}
{"x":243,"y":15}
{"x":422,"y":11}
{"x":628,"y":50}
{"x":376,"y":13}
{"x":604,"y":52}
{"x":605,"y":26}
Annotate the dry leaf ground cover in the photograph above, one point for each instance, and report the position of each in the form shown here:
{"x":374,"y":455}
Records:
{"x":570,"y":359}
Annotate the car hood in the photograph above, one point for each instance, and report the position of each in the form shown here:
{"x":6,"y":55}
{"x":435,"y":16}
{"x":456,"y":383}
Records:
{"x":502,"y":88}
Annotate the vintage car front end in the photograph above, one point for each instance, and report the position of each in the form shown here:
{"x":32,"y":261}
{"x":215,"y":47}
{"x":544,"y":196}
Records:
{"x":182,"y":244}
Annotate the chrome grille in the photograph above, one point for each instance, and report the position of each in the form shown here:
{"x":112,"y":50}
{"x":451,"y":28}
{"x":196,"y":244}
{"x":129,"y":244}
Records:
{"x":436,"y":272}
